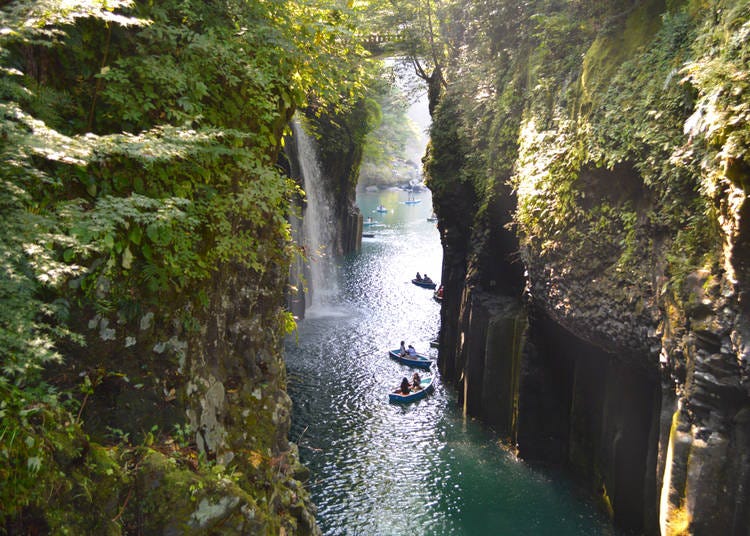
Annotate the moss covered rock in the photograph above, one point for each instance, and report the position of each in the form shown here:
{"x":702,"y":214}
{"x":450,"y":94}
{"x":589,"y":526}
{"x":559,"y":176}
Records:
{"x":610,"y":140}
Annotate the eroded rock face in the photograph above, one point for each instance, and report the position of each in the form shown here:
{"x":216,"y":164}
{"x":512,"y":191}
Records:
{"x":630,"y":223}
{"x":209,"y":407}
{"x":238,"y":405}
{"x":649,"y":403}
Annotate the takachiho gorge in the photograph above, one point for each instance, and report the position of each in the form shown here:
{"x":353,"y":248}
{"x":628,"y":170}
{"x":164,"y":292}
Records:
{"x":382,"y":468}
{"x":221,"y":221}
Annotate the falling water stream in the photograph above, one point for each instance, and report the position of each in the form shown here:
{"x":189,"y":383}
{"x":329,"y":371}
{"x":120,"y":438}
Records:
{"x":317,"y":223}
{"x":385,"y":469}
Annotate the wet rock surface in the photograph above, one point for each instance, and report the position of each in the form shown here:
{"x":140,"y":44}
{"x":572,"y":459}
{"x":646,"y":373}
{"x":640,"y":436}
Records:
{"x":629,"y":274}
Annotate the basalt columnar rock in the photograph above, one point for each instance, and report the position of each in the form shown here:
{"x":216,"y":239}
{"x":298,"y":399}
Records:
{"x":145,"y":255}
{"x":591,"y":186}
{"x":208,"y":406}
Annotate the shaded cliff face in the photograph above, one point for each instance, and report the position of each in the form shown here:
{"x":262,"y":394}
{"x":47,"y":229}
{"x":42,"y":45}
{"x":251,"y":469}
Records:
{"x":603,"y":153}
{"x":340,"y":157}
{"x":188,"y":397}
{"x":198,"y":412}
{"x":159,"y":238}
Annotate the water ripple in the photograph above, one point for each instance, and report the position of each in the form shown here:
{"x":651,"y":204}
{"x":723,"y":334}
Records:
{"x":380,"y":468}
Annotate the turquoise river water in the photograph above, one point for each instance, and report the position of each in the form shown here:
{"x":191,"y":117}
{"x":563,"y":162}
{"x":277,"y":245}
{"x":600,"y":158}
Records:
{"x":385,"y":469}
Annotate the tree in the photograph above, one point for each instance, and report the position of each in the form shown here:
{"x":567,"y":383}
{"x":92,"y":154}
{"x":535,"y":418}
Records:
{"x":416,"y":26}
{"x":138,"y":142}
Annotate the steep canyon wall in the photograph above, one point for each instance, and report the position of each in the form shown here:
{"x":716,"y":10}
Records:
{"x":590,"y":183}
{"x":156,"y":400}
{"x":207,"y":404}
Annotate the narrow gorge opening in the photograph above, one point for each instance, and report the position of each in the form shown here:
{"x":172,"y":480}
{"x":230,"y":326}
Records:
{"x":581,"y":207}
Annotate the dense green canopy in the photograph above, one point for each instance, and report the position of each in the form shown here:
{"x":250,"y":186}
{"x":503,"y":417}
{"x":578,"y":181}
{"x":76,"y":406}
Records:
{"x":139,"y":143}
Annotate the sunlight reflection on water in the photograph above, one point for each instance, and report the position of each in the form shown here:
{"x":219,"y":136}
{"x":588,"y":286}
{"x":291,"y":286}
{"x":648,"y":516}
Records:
{"x":381,"y":468}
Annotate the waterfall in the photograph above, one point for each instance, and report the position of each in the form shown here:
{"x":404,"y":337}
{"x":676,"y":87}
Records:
{"x":318,"y":224}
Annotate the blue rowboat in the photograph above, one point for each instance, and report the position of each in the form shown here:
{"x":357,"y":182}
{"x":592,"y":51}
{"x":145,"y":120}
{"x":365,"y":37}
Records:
{"x":381,"y":209}
{"x":423,"y":284}
{"x":417,"y":360}
{"x":425,"y":385}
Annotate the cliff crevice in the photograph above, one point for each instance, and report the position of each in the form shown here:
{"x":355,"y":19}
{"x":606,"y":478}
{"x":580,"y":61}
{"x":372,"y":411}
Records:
{"x":609,"y":144}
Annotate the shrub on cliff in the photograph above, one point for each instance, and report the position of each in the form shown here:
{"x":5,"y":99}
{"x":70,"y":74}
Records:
{"x":139,"y":144}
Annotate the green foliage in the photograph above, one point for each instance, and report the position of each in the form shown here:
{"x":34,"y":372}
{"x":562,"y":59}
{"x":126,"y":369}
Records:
{"x":139,"y":142}
{"x":448,"y":149}
{"x":414,"y":24}
{"x":544,"y":182}
{"x":632,"y":110}
{"x":34,"y":437}
{"x":642,"y":146}
{"x":183,"y":435}
{"x":391,"y":129}
{"x":719,"y":73}
{"x":29,"y":323}
{"x":152,"y":212}
{"x":44,"y":22}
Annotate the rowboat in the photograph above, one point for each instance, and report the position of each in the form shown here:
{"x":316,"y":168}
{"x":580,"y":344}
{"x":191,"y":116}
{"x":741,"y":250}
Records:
{"x":411,"y":200}
{"x":423,"y":283}
{"x":416,"y":360}
{"x":426,"y":386}
{"x":381,"y":209}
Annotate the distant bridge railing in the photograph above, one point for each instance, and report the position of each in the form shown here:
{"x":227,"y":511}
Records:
{"x":379,"y":40}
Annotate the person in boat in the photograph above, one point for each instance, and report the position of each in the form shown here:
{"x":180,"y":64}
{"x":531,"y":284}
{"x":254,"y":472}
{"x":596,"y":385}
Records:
{"x":402,"y":351}
{"x":416,"y":381}
{"x":411,"y":351}
{"x":405,"y":388}
{"x":440,"y":292}
{"x":419,"y":277}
